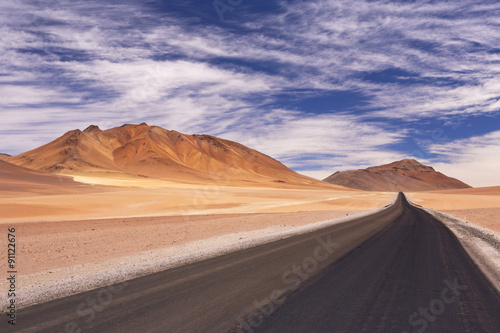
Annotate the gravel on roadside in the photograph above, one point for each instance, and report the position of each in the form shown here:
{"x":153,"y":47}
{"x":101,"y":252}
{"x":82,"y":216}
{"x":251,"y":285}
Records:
{"x":482,"y":245}
{"x":45,"y":286}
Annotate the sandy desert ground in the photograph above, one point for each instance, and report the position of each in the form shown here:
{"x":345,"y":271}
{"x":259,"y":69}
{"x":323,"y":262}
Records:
{"x":480,"y":206}
{"x":109,"y":218}
{"x":62,"y":220}
{"x":63,"y":233}
{"x":179,"y":199}
{"x":100,"y":222}
{"x":65,"y":227}
{"x":54,"y":245}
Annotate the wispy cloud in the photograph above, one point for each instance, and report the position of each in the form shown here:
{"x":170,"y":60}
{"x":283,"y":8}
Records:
{"x":401,"y":64}
{"x":474,"y":160}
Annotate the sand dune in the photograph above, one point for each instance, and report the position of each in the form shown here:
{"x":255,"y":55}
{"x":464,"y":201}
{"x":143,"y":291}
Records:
{"x":405,"y":175}
{"x":153,"y":152}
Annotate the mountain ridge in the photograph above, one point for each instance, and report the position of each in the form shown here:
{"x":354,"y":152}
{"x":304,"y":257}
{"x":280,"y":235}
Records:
{"x":154,"y":152}
{"x":404,"y":175}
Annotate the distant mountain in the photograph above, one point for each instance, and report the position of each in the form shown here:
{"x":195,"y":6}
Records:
{"x":154,"y":152}
{"x":4,"y":156}
{"x":405,"y":175}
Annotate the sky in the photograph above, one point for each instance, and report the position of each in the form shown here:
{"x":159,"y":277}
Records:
{"x":320,"y":85}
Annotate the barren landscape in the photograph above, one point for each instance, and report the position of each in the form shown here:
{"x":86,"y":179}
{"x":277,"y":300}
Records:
{"x":86,"y":222}
{"x":234,"y":166}
{"x":405,"y":176}
{"x":100,"y":222}
{"x":476,"y":205}
{"x":66,"y":235}
{"x":72,"y":225}
{"x":89,"y":212}
{"x":55,"y":228}
{"x":177,"y":199}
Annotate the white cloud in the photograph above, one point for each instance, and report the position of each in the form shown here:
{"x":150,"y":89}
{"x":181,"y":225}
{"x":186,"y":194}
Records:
{"x":328,"y":141}
{"x":326,"y":45}
{"x":476,"y":160}
{"x":317,"y":174}
{"x":149,"y":81}
{"x":20,"y":95}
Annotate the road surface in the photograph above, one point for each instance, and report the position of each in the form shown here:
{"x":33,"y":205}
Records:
{"x":414,"y":277}
{"x":397,"y":270}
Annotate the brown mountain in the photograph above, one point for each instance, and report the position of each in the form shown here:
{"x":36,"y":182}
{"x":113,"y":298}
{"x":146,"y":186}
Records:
{"x":151,"y":151}
{"x":405,"y":175}
{"x":4,"y":156}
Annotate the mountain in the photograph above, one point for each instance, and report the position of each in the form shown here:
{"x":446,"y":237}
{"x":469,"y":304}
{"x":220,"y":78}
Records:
{"x":405,"y":175}
{"x":4,"y":156}
{"x":154,"y":152}
{"x":16,"y":178}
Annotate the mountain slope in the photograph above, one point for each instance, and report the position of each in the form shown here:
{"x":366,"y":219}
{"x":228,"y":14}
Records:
{"x":17,"y":178}
{"x":151,"y":151}
{"x":405,"y":175}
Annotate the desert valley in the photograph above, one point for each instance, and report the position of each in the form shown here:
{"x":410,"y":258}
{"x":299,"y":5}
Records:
{"x":93,"y":199}
{"x":234,"y":166}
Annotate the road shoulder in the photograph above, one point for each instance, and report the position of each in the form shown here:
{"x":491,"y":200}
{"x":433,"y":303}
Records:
{"x":482,"y":245}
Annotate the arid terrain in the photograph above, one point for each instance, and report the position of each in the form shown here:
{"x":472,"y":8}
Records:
{"x":93,"y":205}
{"x":405,"y":175}
{"x":84,"y":229}
{"x":249,"y":166}
{"x":56,"y":226}
{"x":142,"y":151}
{"x":480,"y":206}
{"x":84,"y":199}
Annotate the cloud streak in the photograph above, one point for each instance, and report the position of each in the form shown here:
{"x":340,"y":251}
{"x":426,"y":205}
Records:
{"x":475,"y":160}
{"x":401,"y":65}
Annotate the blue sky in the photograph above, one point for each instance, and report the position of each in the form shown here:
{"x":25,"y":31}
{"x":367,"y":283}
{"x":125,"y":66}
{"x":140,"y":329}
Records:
{"x":320,"y":85}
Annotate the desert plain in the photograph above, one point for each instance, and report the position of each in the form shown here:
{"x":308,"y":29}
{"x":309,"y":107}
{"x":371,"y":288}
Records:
{"x":480,"y":206}
{"x":93,"y":224}
{"x":60,"y":234}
